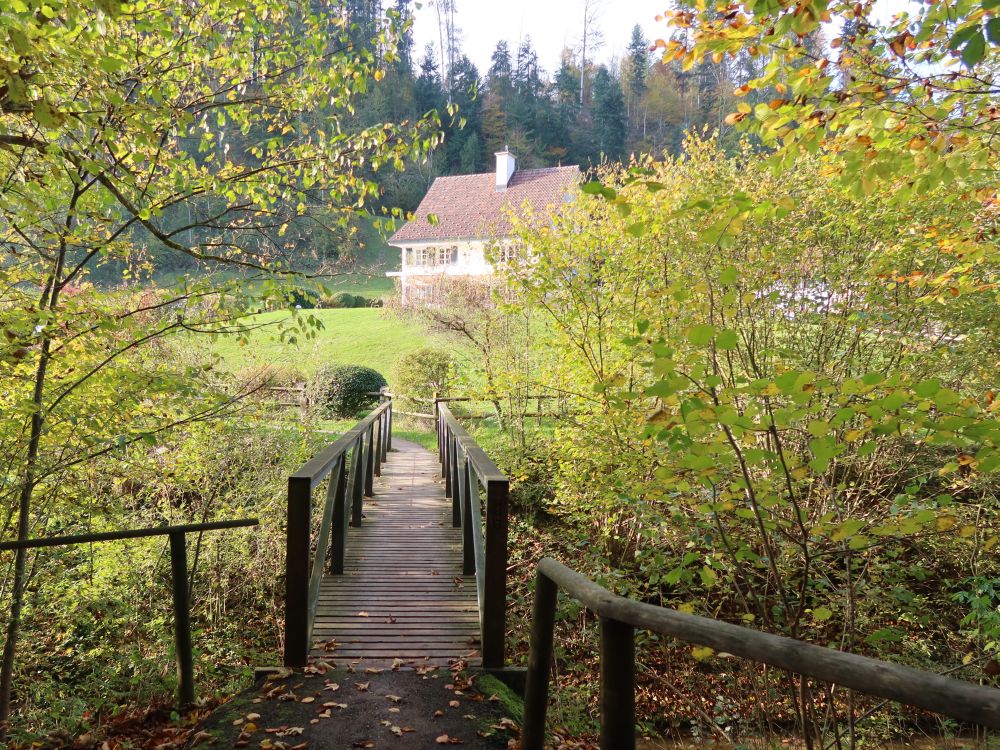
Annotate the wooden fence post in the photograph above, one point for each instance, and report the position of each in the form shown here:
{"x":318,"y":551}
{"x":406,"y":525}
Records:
{"x":617,"y":685}
{"x":182,"y":621}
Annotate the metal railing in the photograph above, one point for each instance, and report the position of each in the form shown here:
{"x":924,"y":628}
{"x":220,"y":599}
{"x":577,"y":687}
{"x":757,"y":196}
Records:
{"x":466,"y":468}
{"x":619,"y":617}
{"x":368,"y":444}
{"x":178,"y":568}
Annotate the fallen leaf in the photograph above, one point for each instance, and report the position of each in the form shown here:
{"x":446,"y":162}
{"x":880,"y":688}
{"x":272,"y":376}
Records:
{"x":308,"y":699}
{"x":444,"y":739}
{"x":454,"y":704}
{"x":362,"y":686}
{"x":394,"y":698}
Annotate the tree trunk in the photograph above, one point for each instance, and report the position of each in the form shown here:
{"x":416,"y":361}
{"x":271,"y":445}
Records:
{"x":50,"y":299}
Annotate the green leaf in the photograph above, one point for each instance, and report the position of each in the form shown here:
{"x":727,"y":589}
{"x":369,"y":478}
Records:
{"x":973,"y":52}
{"x":701,"y":335}
{"x":708,"y":576}
{"x":822,"y":614}
{"x":46,"y":116}
{"x":885,"y":634}
{"x":727,"y":340}
{"x":729,"y":276}
{"x":993,"y":29}
{"x":111,"y":64}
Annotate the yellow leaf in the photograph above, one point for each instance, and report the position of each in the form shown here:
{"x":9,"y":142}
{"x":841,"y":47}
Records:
{"x":966,"y":531}
{"x":702,"y":653}
{"x":945,"y":522}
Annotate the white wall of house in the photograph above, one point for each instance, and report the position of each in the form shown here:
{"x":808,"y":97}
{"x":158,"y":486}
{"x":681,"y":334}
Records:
{"x":425,"y":261}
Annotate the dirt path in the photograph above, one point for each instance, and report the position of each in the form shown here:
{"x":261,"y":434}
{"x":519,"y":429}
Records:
{"x":421,"y":708}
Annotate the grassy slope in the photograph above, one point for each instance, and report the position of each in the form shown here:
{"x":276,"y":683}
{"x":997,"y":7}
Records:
{"x":364,"y":336}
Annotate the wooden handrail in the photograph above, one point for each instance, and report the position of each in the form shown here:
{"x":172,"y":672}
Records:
{"x":178,"y":569}
{"x":351,"y":478}
{"x":111,"y":536}
{"x":620,"y":616}
{"x":466,"y":469}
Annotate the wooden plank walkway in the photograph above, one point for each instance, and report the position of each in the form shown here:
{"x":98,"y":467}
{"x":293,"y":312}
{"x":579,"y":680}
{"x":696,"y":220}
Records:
{"x":402,"y":596}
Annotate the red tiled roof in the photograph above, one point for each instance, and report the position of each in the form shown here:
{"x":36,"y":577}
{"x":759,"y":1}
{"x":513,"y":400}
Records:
{"x":470,"y":207}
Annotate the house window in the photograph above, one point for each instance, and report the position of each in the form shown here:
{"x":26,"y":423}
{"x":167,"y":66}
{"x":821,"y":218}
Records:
{"x":435,"y":256}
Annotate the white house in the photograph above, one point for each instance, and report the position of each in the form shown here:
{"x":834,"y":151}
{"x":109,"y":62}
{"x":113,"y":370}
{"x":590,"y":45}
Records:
{"x":472,"y":210}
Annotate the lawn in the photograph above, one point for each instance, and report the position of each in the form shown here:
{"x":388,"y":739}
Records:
{"x":363,"y":336}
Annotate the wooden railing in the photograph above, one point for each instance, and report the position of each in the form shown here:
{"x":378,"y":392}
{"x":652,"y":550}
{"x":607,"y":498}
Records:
{"x":352,"y":463}
{"x":178,"y":568}
{"x":619,"y":617}
{"x":466,"y":470}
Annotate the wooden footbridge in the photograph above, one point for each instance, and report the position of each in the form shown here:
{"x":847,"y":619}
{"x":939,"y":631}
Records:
{"x":404,"y":572}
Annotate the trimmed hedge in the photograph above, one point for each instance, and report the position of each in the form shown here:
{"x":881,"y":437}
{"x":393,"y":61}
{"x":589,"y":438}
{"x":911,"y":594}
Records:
{"x":346,"y":300}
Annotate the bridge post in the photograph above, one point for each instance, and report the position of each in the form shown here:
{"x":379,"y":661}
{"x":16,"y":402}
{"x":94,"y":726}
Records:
{"x":454,"y":482}
{"x":357,"y":480}
{"x":297,"y":571}
{"x":495,"y":606}
{"x":536,"y":690}
{"x":468,"y":493}
{"x":370,"y":461}
{"x":339,"y":475}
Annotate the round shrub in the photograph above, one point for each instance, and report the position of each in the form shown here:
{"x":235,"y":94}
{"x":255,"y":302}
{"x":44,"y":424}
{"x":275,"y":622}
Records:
{"x":343,"y":389}
{"x":421,"y":374}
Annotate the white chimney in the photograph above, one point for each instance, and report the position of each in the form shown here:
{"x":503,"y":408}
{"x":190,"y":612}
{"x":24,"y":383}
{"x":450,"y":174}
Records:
{"x":506,"y":164}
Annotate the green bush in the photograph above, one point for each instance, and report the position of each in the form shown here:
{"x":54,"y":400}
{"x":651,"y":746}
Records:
{"x":421,"y":374}
{"x":343,"y":390}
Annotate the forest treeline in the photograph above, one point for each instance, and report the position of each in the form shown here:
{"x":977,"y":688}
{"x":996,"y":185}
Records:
{"x":579,"y":111}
